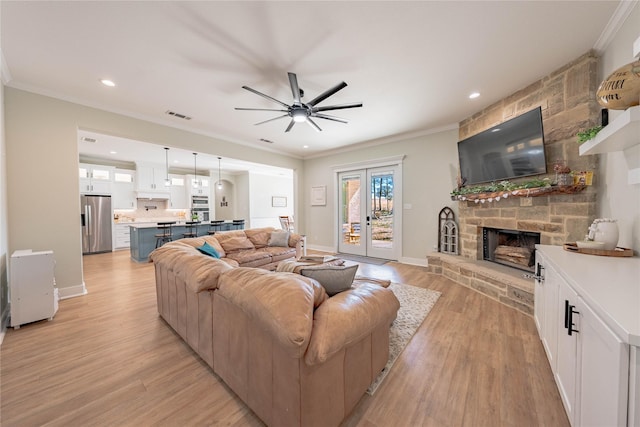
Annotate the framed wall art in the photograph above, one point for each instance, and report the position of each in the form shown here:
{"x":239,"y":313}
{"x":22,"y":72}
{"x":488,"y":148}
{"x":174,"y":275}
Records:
{"x":279,"y":202}
{"x":319,"y":195}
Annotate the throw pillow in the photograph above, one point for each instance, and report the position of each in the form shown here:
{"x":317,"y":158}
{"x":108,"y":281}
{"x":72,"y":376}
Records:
{"x":279,"y":238}
{"x":207,"y":249}
{"x":334,"y":279}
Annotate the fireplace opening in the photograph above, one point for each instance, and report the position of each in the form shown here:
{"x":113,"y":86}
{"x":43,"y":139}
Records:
{"x":512,"y":248}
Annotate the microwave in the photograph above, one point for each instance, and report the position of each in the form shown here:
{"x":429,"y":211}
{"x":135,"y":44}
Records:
{"x":199,"y":202}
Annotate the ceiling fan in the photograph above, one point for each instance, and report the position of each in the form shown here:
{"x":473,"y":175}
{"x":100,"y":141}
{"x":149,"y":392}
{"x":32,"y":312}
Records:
{"x":300,"y":111}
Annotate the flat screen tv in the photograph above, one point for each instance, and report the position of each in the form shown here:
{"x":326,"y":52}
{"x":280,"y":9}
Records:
{"x":511,"y":149}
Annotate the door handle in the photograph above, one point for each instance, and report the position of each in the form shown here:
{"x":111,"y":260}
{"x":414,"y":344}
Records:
{"x":566,"y":314}
{"x":571,"y":324}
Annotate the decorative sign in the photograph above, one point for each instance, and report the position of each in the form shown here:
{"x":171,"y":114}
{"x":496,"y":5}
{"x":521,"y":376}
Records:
{"x":621,"y":89}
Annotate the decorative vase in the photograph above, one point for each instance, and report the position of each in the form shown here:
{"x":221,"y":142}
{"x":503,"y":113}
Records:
{"x":605,"y":230}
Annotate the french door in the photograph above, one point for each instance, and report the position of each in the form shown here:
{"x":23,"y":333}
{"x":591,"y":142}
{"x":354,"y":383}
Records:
{"x":367,"y":218}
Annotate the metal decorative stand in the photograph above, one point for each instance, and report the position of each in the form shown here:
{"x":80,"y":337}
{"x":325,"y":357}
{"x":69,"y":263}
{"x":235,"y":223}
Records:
{"x":447,"y":232}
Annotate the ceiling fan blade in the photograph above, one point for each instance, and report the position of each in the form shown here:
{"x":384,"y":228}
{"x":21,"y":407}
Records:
{"x":337,"y":107}
{"x":324,"y":95}
{"x":295,"y":90}
{"x":313,"y":124}
{"x":327,"y":117}
{"x":290,"y":125}
{"x":260,"y":109}
{"x":270,"y":120}
{"x":265,"y":96}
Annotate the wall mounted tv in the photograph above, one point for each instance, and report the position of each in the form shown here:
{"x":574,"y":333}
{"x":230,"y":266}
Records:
{"x":511,"y":149}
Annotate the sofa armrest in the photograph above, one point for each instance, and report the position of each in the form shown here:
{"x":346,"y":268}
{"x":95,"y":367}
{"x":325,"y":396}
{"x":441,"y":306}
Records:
{"x":347,"y":317}
{"x":281,"y":303}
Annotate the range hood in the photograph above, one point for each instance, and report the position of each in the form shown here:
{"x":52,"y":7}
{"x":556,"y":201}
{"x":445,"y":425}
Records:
{"x":152,"y":195}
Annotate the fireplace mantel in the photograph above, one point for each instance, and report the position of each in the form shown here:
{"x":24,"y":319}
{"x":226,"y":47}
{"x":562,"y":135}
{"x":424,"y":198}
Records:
{"x":524,"y":192}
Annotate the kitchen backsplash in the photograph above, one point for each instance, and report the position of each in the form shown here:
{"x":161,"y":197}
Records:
{"x":152,"y":210}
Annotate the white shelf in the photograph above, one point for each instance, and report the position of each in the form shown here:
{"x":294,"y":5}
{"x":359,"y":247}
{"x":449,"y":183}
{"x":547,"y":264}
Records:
{"x":622,"y":133}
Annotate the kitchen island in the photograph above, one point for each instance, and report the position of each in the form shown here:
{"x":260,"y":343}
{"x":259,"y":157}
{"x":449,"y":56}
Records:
{"x":143,"y":236}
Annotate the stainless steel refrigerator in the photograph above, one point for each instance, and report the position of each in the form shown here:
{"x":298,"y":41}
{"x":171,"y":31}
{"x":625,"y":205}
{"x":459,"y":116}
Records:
{"x":96,"y":219}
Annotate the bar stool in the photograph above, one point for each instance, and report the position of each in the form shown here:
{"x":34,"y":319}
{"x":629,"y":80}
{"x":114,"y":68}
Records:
{"x":164,"y":234}
{"x":192,"y":229}
{"x":215,"y":226}
{"x":237,"y":224}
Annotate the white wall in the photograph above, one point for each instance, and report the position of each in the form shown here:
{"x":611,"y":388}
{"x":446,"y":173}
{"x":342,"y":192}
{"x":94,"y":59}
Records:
{"x":429,"y":174}
{"x":42,"y":161}
{"x":4,"y":243}
{"x":616,"y":198}
{"x":263,"y":188}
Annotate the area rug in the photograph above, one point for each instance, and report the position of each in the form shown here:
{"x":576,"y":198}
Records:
{"x":365,"y":259}
{"x":415,"y":304}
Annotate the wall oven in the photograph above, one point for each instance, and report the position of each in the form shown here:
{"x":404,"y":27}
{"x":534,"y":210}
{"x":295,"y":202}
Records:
{"x":200,"y":207}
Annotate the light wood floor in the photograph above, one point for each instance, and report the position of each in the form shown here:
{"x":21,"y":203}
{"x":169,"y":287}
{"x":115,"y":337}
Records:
{"x":107,"y":358}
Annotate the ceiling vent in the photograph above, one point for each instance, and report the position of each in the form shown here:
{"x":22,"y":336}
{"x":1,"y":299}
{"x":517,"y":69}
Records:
{"x":88,"y":139}
{"x":266,"y":140}
{"x":178,"y":115}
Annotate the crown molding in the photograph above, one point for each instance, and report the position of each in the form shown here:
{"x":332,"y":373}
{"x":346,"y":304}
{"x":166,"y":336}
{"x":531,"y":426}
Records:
{"x":613,"y":26}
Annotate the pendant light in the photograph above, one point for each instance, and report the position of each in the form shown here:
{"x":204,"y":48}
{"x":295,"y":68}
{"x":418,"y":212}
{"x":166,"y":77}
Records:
{"x":219,"y":172}
{"x":167,"y":181}
{"x":195,"y":173}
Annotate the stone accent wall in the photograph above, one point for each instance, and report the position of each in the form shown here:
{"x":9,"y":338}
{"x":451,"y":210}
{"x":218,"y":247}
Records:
{"x":567,"y":98}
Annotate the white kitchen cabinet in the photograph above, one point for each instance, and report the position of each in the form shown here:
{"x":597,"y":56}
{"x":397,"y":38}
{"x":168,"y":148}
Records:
{"x":122,"y":236}
{"x":604,"y":372}
{"x":95,"y":179}
{"x":151,"y":177}
{"x":197,"y":186}
{"x":178,"y":199}
{"x":123,"y":196}
{"x":567,"y":355}
{"x":545,"y":312}
{"x":597,"y":333}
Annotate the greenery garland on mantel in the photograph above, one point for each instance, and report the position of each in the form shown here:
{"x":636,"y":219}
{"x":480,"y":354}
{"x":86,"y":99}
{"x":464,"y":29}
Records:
{"x":504,"y":189}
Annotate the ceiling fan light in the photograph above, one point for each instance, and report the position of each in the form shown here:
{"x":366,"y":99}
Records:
{"x":299,"y":115}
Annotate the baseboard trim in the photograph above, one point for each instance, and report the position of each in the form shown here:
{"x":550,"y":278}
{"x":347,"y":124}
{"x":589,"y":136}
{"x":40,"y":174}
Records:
{"x":72,"y":291}
{"x":4,"y":322}
{"x":422,"y":262}
{"x":329,"y":249}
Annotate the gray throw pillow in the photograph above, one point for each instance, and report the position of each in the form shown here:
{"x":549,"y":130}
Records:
{"x":334,"y":278}
{"x":279,"y":238}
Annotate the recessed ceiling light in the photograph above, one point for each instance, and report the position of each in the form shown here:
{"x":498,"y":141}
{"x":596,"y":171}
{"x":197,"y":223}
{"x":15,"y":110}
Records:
{"x":305,"y":146}
{"x":107,"y":82}
{"x":474,"y":95}
{"x":113,"y":152}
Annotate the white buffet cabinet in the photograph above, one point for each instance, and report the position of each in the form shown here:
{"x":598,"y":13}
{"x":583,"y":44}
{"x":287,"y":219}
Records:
{"x":587,"y":311}
{"x":33,"y":294}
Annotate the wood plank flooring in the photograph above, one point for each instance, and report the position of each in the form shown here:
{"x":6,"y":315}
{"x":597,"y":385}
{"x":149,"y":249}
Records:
{"x":107,"y":358}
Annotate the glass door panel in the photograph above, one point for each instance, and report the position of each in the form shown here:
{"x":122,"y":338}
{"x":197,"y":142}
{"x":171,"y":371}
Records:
{"x":380,"y":219}
{"x":351,"y":216}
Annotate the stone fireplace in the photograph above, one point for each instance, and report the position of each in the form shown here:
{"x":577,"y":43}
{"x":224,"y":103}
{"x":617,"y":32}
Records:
{"x":567,"y":99}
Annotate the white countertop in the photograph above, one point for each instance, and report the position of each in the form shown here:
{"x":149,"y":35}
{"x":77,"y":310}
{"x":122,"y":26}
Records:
{"x":609,"y":285}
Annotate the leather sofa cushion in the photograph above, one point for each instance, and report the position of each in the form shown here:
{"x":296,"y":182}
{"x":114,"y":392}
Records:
{"x":235,"y":243}
{"x":347,"y":317}
{"x":199,"y":272}
{"x":250,"y":258}
{"x":259,"y":236}
{"x":199,"y":241}
{"x":282,"y":303}
{"x":278,"y":253}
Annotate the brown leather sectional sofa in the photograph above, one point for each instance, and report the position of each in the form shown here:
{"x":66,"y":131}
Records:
{"x":295,"y":356}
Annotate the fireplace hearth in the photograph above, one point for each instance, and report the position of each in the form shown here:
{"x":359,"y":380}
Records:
{"x":512,"y":248}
